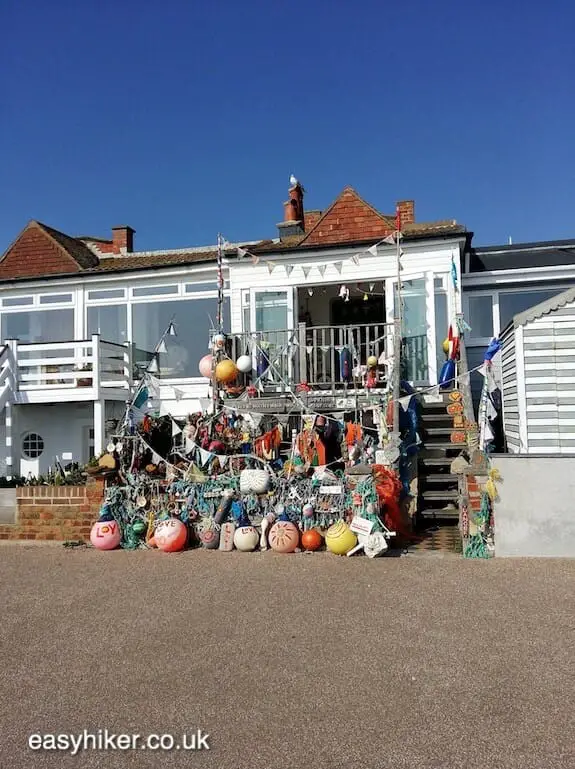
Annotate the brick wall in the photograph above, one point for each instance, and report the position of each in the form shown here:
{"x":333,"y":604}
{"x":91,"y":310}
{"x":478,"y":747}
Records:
{"x":55,"y":512}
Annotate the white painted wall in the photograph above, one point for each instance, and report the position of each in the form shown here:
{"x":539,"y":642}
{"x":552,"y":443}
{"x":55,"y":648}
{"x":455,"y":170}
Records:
{"x":64,"y":428}
{"x":418,"y":258}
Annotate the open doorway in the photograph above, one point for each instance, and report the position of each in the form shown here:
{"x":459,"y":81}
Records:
{"x":323,"y":306}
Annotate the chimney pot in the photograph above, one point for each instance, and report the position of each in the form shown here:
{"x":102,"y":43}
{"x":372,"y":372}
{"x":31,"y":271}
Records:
{"x":123,"y":239}
{"x":293,"y":223}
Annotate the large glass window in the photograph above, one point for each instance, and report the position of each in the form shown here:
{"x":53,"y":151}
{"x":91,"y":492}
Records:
{"x":513,"y":302}
{"x":193,"y":319}
{"x":481,"y":316}
{"x":39,"y":326}
{"x":110,"y":321}
{"x":414,"y":322}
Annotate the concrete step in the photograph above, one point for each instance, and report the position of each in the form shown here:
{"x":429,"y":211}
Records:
{"x":445,"y":445}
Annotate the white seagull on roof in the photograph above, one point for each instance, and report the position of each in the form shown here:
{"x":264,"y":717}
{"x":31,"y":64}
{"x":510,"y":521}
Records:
{"x":293,"y":181}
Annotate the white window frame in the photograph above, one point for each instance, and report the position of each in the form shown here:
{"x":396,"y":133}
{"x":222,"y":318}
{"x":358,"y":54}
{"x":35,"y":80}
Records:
{"x":481,"y":341}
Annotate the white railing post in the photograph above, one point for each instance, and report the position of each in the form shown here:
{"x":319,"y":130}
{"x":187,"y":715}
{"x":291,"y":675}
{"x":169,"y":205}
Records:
{"x":129,"y":365}
{"x":96,"y":365}
{"x":99,"y":404}
{"x":12,"y":345}
{"x":301,"y":330}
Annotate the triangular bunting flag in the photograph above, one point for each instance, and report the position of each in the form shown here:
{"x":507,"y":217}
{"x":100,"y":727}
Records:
{"x":372,"y":250}
{"x":271,"y":267}
{"x":255,"y":260}
{"x":309,"y":349}
{"x":390,"y":240}
{"x":189,"y":445}
{"x":355,"y":259}
{"x":321,"y":269}
{"x":404,"y":402}
{"x":288,"y":269}
{"x":205,"y":457}
{"x":371,"y":286}
{"x":156,"y":458}
{"x":222,"y":460}
{"x":338,"y":266}
{"x":178,"y":394}
{"x":176,"y":429}
{"x":242,"y":252}
{"x":164,"y":410}
{"x":325,"y":348}
{"x":154,"y":386}
{"x":306,"y":271}
{"x":161,"y":346}
{"x":339,"y":347}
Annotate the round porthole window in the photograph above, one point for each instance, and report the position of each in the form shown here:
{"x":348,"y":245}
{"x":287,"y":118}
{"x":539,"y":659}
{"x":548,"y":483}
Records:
{"x":32,"y":445}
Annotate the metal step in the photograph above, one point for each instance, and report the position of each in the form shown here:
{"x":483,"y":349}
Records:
{"x":437,"y":478}
{"x":438,"y":513}
{"x":440,"y":430}
{"x":440,"y":494}
{"x":435,"y":461}
{"x":433,"y":417}
{"x":443,"y":445}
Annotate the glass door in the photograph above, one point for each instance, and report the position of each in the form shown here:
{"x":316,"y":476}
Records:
{"x":419,"y":360}
{"x":272,"y":329}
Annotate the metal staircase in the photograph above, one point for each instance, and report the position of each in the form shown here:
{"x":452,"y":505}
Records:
{"x":444,"y":436}
{"x":438,"y":488}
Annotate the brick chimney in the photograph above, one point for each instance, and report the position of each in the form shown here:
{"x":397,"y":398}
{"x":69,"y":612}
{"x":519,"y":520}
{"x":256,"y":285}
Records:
{"x":123,"y":239}
{"x":294,"y":219}
{"x":406,"y":211}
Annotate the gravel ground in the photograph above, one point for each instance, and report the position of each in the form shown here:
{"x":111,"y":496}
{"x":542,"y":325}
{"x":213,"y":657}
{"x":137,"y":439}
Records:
{"x":289,"y":661}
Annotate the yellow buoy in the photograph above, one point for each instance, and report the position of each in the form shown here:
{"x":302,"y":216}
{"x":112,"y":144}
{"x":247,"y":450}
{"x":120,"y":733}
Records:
{"x":445,"y":346}
{"x":340,"y":539}
{"x":226,"y":371}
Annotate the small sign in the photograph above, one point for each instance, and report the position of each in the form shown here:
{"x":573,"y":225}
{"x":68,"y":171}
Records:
{"x":330,"y":490}
{"x":67,"y":456}
{"x":361,"y":525}
{"x":267,"y":405}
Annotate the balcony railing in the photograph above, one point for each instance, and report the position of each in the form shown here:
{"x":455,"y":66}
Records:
{"x":52,"y":366}
{"x":312,"y":354}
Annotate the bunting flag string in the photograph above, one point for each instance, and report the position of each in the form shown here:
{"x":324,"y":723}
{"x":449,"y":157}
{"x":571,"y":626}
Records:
{"x":338,"y":266}
{"x":306,"y":271}
{"x":288,"y":269}
{"x":321,"y":268}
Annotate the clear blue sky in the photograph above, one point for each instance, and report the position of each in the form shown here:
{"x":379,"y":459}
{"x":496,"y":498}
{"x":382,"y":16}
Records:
{"x":183,"y":118}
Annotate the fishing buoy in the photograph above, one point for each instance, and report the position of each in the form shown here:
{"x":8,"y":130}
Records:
{"x":205,"y":366}
{"x":210,"y":538}
{"x":219,"y":342}
{"x":372,"y":361}
{"x":226,"y":371}
{"x":244,"y":364}
{"x":447,"y":374}
{"x":106,"y":535}
{"x":311,"y":539}
{"x":307,"y":510}
{"x":284,"y":537}
{"x":171,"y":535}
{"x":224,"y":506}
{"x":246,"y":538}
{"x":340,"y":539}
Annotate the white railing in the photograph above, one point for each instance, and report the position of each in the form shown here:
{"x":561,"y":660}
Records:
{"x":66,"y":365}
{"x":6,"y":376}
